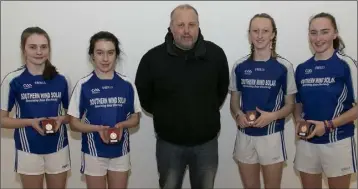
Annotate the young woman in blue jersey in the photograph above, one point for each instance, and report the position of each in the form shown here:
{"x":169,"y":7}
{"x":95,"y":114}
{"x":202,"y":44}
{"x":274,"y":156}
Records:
{"x":263,"y":82}
{"x":327,"y":97}
{"x":104,"y":99}
{"x":38,"y":92}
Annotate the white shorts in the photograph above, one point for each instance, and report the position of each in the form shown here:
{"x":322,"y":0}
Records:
{"x":98,"y":166}
{"x":38,"y":164}
{"x":265,"y":150}
{"x":334,"y":159}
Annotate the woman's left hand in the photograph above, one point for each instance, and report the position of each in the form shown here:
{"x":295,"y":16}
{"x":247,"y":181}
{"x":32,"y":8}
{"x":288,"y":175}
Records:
{"x":319,"y":129}
{"x":264,"y":119}
{"x":59,"y":120}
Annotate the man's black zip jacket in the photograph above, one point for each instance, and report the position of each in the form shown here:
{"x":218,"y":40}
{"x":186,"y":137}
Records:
{"x":184,"y":90}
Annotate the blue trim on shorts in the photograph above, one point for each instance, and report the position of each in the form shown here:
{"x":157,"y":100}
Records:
{"x":69,"y":154}
{"x":83,"y":164}
{"x":16,"y":160}
{"x":283,"y":145}
{"x":354,"y":154}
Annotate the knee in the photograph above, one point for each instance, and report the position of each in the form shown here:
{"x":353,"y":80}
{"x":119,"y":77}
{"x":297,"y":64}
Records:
{"x":170,"y":179}
{"x":204,"y":179}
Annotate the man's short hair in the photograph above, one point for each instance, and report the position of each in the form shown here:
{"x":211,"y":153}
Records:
{"x":183,"y":6}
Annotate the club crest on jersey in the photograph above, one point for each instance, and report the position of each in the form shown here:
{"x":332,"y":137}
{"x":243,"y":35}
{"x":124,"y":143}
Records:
{"x":247,"y":72}
{"x":95,"y":91}
{"x":27,"y":86}
{"x":308,"y":71}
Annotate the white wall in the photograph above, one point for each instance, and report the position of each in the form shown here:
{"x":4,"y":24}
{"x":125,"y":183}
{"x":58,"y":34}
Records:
{"x":140,"y":26}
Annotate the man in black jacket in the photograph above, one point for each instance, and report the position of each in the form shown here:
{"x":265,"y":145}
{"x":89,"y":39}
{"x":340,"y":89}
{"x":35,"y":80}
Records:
{"x":183,"y":82}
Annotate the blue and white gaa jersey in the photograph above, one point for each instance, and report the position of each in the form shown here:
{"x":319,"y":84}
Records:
{"x":327,"y":89}
{"x":263,"y":84}
{"x":34,"y":97}
{"x":104,"y":102}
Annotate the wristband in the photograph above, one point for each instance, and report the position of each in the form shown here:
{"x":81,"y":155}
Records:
{"x":331,"y":124}
{"x":328,"y":125}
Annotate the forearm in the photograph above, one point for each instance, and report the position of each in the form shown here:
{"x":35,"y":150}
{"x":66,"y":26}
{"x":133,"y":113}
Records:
{"x":235,"y":110}
{"x":346,"y":117}
{"x":65,"y":119}
{"x":78,"y":126}
{"x":133,"y":121}
{"x":235,"y":104}
{"x":284,"y":111}
{"x":297,"y":112}
{"x":14,"y":123}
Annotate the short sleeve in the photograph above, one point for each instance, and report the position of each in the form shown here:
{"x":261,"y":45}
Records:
{"x":137,"y":106}
{"x":235,"y":84}
{"x":75,"y":107}
{"x":66,"y":93}
{"x":290,"y":83}
{"x":350,"y":77}
{"x":7,"y":94}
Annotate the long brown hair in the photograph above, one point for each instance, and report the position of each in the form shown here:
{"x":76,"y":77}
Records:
{"x":274,"y":30}
{"x":50,"y":71}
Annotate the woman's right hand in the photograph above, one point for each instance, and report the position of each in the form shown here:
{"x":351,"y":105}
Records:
{"x":35,"y":123}
{"x":241,"y":121}
{"x":102,"y":131}
{"x":297,"y":124}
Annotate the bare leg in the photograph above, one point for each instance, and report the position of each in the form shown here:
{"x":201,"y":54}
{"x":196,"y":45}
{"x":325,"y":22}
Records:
{"x":339,"y":182}
{"x":32,"y":181}
{"x":57,"y":181}
{"x":250,"y":175}
{"x":95,"y":182}
{"x":272,"y":175}
{"x":311,"y":181}
{"x":117,"y":179}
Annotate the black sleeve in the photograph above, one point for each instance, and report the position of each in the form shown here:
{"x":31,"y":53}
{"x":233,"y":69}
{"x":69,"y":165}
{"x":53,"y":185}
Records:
{"x":143,"y":82}
{"x":223,"y":83}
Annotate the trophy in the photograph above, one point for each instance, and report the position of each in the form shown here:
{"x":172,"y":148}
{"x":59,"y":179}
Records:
{"x":114,"y":135}
{"x":251,"y":116}
{"x":304,"y":128}
{"x":49,"y":126}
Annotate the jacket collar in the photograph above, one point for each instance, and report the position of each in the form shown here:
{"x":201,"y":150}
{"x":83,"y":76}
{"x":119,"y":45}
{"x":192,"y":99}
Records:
{"x":199,"y":47}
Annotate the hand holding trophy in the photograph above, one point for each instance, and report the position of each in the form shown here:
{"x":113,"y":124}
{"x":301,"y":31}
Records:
{"x":114,"y":135}
{"x":49,"y":126}
{"x":304,"y":128}
{"x":251,"y":116}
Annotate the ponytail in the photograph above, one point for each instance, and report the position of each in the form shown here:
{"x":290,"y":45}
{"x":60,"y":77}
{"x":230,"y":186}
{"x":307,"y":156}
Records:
{"x":50,"y":71}
{"x":252,"y":49}
{"x":338,"y":44}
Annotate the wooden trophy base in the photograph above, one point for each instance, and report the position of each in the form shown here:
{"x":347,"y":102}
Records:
{"x":48,"y":126}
